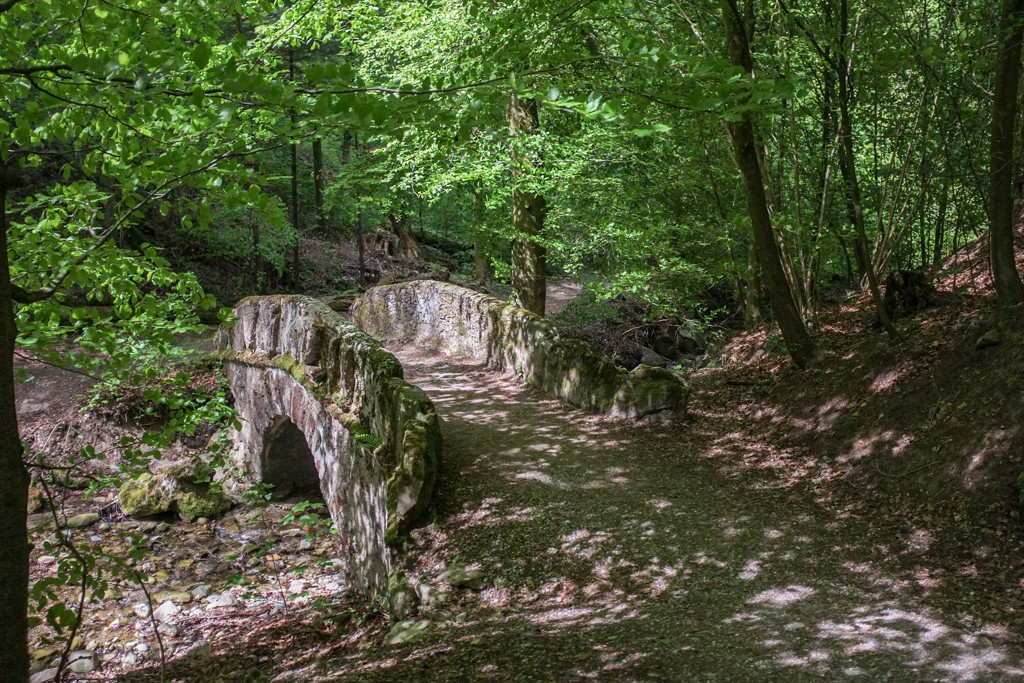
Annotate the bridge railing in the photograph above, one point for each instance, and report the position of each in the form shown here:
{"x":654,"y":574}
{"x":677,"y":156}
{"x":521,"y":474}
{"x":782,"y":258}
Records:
{"x":460,"y":322}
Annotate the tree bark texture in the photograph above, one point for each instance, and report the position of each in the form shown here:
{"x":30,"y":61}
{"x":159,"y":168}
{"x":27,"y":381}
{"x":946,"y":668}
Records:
{"x":14,"y":482}
{"x":752,"y":316}
{"x":801,"y":348}
{"x":294,"y":199}
{"x":482,"y":265}
{"x":407,"y":244}
{"x":1009,"y":288}
{"x":848,"y":166}
{"x":529,"y":279}
{"x":318,"y":183}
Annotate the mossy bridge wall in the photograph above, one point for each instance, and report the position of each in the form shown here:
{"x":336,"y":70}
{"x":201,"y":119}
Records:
{"x":373,"y":437}
{"x":457,"y":321}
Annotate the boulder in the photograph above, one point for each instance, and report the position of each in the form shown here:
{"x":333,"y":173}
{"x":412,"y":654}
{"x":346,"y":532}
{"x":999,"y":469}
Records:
{"x":147,"y":494}
{"x":172,"y":488}
{"x":461,"y":576}
{"x":83,"y":520}
{"x":407,"y":631}
{"x":989,"y":339}
{"x":649,"y":356}
{"x":653,"y":393}
{"x":83,"y":661}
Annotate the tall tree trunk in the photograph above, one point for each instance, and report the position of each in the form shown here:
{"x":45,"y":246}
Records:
{"x":1009,"y":288}
{"x":529,"y":279}
{"x":14,"y":481}
{"x":351,"y":141}
{"x":318,"y":184}
{"x":258,"y":281}
{"x":482,"y":265}
{"x":940,"y":220}
{"x":294,"y":200}
{"x":361,"y":246}
{"x":798,"y":341}
{"x":848,"y":165}
{"x":293,"y":206}
{"x":752,"y":316}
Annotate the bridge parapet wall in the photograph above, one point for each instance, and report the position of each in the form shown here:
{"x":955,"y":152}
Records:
{"x":374,"y":438}
{"x":457,"y":321}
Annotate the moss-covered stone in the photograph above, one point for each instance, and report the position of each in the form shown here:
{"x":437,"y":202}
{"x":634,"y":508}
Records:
{"x":169,"y":490}
{"x":146,"y":495}
{"x":581,"y":376}
{"x":293,"y":367}
{"x":192,"y":505}
{"x":653,"y":391}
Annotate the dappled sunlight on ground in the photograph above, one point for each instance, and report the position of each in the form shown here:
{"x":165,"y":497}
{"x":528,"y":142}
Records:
{"x":617,"y":553}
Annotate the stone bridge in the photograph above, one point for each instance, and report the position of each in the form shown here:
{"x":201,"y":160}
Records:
{"x":460,"y":322}
{"x":320,"y":402}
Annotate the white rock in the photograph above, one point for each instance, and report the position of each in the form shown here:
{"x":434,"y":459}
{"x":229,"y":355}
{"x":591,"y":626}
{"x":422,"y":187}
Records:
{"x":142,"y":648}
{"x":166,"y":611}
{"x":142,"y":610}
{"x":201,"y":591}
{"x":296,"y":586}
{"x":129,"y":660}
{"x":225,"y":599}
{"x":46,"y":560}
{"x":44,"y":676}
{"x":83,"y":661}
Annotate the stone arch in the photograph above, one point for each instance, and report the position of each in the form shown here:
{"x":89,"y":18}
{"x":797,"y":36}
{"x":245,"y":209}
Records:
{"x":309,"y":385}
{"x":287,"y":461}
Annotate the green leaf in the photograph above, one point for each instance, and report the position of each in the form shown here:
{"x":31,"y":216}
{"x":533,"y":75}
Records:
{"x":201,"y":55}
{"x":323,"y":105}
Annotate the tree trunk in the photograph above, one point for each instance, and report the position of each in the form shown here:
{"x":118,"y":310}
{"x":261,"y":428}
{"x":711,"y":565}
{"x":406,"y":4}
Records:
{"x":360,"y":242}
{"x":848,"y":166}
{"x":294,"y":211}
{"x":259,"y":265}
{"x":801,"y":349}
{"x":529,"y":279}
{"x":1009,"y":288}
{"x":407,"y":244}
{"x":940,"y":219}
{"x":752,"y":316}
{"x":318,"y":184}
{"x":294,"y":203}
{"x":482,"y":265}
{"x":14,"y":487}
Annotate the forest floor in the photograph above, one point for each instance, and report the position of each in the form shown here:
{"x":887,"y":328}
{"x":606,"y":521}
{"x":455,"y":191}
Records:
{"x":857,"y":521}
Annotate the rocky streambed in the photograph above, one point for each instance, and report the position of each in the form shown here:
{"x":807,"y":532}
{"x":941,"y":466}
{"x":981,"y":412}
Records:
{"x":176,"y":578}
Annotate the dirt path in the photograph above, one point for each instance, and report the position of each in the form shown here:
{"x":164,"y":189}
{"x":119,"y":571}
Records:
{"x":617,"y":553}
{"x":559,"y":294}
